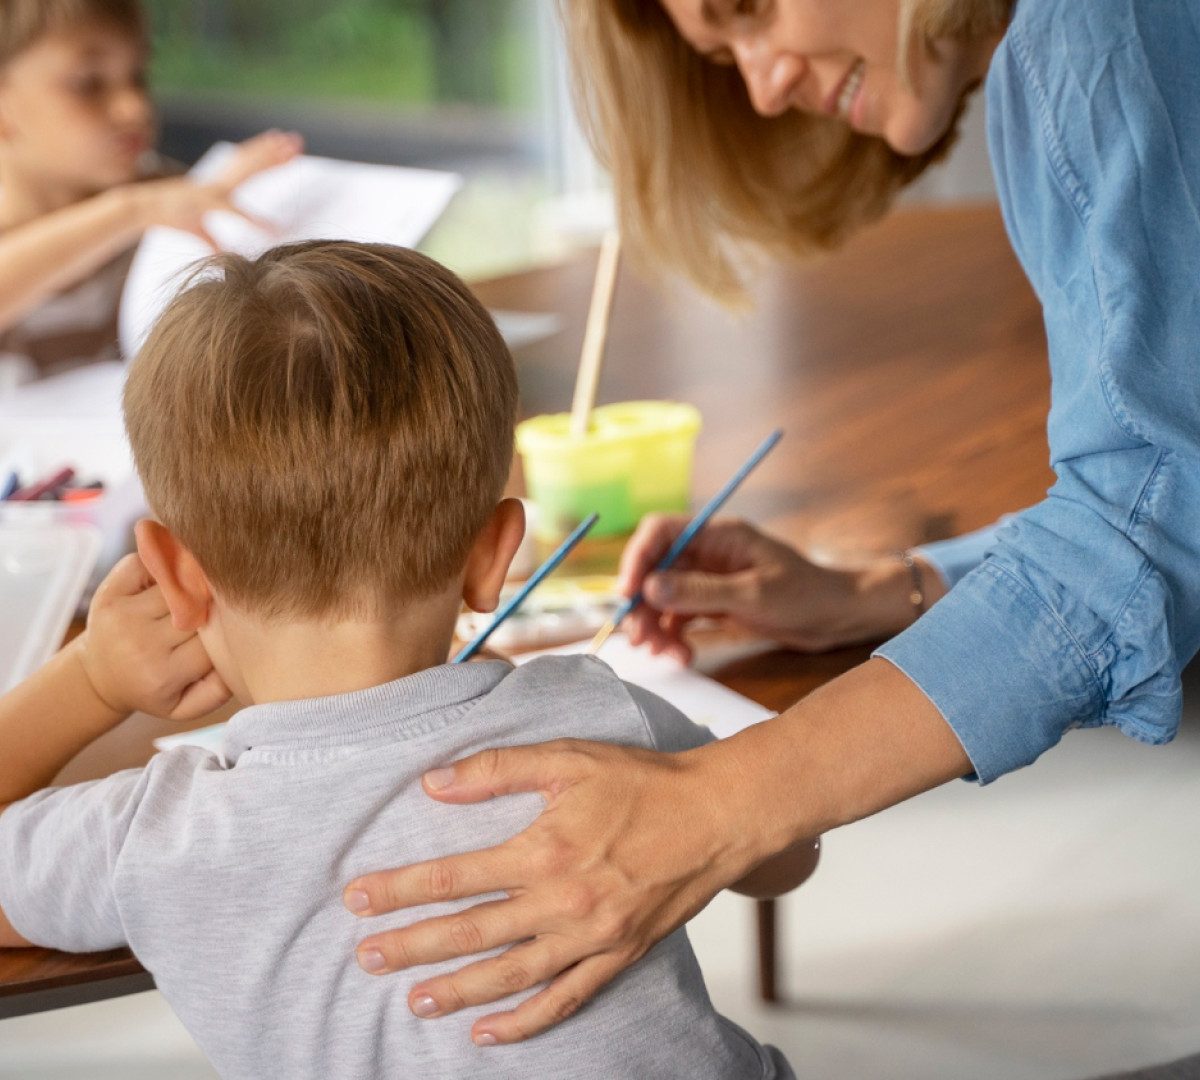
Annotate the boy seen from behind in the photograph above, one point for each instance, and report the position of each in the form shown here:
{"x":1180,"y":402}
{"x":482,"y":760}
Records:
{"x":325,"y":435}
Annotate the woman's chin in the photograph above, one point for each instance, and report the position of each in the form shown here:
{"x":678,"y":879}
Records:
{"x":909,"y":141}
{"x":913,"y":132}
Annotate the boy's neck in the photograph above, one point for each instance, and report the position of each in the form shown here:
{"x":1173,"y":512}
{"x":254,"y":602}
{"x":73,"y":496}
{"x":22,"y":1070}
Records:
{"x":295,"y":660}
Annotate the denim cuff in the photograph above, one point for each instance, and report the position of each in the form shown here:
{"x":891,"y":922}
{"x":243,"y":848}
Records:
{"x":955,"y":558}
{"x":1004,"y":672}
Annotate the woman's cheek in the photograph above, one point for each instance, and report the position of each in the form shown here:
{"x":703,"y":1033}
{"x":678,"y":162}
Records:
{"x":913,"y":127}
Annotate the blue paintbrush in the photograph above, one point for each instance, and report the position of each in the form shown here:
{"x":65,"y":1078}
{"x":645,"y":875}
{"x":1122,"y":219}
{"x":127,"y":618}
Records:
{"x":694,"y":526}
{"x":542,"y":572}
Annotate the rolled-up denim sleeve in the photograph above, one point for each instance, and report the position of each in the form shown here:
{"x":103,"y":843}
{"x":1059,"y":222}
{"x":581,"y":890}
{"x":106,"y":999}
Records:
{"x":1087,"y":606}
{"x":1025,"y":648}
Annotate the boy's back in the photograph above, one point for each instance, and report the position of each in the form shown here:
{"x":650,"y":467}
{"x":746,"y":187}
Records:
{"x":325,"y":434}
{"x":226,"y":881}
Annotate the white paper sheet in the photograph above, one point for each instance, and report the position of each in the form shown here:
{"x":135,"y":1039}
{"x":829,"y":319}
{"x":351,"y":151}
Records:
{"x":309,"y":198}
{"x":703,"y":700}
{"x":207,"y":738}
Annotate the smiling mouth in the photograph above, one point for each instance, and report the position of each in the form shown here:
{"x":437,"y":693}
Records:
{"x":848,"y":91}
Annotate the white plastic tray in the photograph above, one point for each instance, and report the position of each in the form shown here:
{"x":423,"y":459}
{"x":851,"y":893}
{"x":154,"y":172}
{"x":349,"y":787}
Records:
{"x":44,"y":570}
{"x":74,"y":419}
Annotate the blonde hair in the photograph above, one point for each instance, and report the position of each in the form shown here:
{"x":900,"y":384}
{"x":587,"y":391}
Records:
{"x":23,"y":22}
{"x":700,"y":177}
{"x":326,"y":428}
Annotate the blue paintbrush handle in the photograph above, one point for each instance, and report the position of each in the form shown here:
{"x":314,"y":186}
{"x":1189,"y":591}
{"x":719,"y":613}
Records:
{"x":701,"y":519}
{"x":548,"y":567}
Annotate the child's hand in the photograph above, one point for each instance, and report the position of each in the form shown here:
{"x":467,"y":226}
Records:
{"x":181,"y":203}
{"x":136,"y":660}
{"x":265,"y":151}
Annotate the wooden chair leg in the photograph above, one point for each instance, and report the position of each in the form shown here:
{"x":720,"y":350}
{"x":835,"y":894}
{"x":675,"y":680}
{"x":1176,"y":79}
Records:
{"x":767,"y":951}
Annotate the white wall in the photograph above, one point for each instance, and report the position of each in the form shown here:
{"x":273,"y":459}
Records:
{"x":967,"y":175}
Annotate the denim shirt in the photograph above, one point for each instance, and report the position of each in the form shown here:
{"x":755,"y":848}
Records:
{"x":1085,"y":607}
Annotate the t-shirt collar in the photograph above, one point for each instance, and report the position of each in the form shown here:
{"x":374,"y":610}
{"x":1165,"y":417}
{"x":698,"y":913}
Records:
{"x":400,"y":709}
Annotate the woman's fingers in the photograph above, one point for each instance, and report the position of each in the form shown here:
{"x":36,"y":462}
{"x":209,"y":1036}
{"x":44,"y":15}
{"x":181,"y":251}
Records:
{"x":546,"y":767}
{"x":564,"y":997}
{"x":592,"y":884}
{"x":473,"y":930}
{"x":697,"y":592}
{"x":520,"y":968}
{"x":452,"y":878}
{"x":649,"y":543}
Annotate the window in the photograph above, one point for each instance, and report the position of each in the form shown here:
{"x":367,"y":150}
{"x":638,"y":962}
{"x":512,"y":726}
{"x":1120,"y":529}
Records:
{"x":467,"y":85}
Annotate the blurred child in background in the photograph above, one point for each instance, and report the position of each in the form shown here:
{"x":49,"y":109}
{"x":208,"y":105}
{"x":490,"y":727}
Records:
{"x":80,"y":181}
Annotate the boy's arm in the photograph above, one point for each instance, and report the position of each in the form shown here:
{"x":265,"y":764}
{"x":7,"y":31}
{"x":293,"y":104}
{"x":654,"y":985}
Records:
{"x":46,"y":720}
{"x":130,"y":658}
{"x":9,"y":938}
{"x":42,"y":257}
{"x":46,"y":255}
{"x":59,"y":850}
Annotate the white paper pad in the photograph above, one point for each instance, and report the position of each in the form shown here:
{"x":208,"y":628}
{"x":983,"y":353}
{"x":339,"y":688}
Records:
{"x":309,"y":198}
{"x":703,"y":700}
{"x":207,"y":738}
{"x":43,"y":572}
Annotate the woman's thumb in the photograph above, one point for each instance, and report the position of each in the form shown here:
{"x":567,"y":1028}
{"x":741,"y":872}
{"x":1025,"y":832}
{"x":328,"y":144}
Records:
{"x":695,"y":592}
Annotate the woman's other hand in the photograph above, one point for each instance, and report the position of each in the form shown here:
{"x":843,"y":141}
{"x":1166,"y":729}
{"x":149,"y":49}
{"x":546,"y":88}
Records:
{"x":737,"y":574}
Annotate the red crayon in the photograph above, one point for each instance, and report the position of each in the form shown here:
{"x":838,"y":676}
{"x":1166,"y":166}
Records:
{"x":36,"y":490}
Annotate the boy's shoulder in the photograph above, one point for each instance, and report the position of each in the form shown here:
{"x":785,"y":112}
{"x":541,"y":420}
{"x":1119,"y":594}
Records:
{"x":602,"y":706}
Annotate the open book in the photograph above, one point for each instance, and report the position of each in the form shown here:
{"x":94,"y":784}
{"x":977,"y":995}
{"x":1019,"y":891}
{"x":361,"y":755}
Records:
{"x":310,"y":198}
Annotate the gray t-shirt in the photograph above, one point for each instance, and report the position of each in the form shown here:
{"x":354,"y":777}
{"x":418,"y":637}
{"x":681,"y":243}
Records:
{"x":225,"y":877}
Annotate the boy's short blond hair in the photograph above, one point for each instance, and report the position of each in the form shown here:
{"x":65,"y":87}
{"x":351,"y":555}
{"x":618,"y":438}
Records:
{"x":327,"y":427}
{"x":23,"y":22}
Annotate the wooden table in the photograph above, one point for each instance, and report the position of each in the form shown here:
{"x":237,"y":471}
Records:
{"x":909,"y":372}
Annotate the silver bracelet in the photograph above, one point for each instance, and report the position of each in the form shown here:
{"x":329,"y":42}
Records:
{"x":916,"y":595}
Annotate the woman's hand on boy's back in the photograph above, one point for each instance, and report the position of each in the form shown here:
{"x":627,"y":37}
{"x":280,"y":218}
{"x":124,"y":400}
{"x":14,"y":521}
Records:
{"x":182,"y":203}
{"x":135,"y":659}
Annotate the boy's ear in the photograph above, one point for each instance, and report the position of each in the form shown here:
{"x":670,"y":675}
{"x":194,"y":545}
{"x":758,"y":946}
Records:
{"x":492,"y":554}
{"x":184,"y":584}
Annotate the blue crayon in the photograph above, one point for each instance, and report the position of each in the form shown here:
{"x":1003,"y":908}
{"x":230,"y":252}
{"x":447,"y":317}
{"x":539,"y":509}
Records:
{"x":542,"y":572}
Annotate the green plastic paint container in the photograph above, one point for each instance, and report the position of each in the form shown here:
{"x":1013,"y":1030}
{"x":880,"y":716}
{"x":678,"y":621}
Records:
{"x":635,"y":459}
